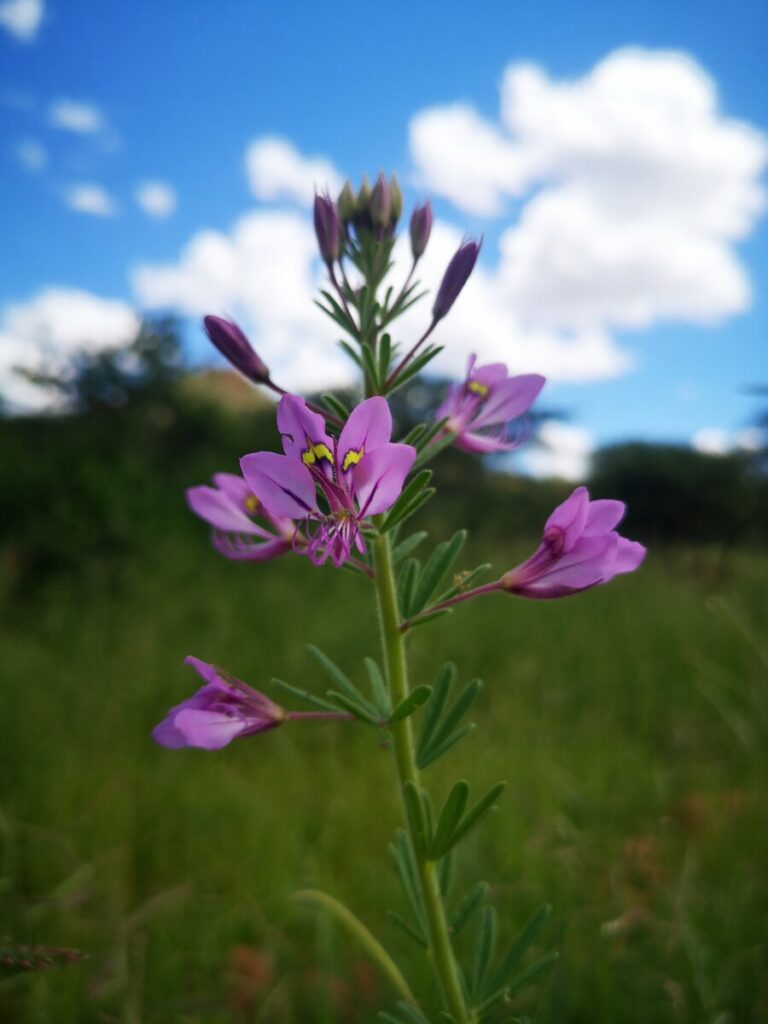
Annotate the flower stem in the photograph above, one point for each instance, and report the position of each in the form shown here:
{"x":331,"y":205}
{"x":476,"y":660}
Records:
{"x":442,"y":955}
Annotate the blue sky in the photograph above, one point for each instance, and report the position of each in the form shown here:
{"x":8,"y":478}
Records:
{"x":183,"y":89}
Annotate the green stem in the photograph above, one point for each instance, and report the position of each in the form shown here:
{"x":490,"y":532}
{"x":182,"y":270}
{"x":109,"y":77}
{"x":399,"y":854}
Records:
{"x":357,"y":930}
{"x":402,"y":733}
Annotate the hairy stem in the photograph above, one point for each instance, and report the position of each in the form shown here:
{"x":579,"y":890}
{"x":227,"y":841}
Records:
{"x":441,"y":950}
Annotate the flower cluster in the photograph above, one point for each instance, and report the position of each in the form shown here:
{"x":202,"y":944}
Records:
{"x":339,"y":493}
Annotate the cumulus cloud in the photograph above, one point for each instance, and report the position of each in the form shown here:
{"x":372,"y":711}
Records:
{"x":276,"y":170}
{"x":31,"y":154}
{"x":718,"y":441}
{"x":48,"y":329}
{"x":76,"y":116}
{"x":565,"y":451}
{"x":635,"y":185}
{"x":264,"y":272}
{"x":156,"y":198}
{"x":92,"y":199}
{"x":22,"y":18}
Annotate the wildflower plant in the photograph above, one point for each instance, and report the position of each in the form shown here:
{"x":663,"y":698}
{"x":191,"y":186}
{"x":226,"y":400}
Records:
{"x":343,"y":491}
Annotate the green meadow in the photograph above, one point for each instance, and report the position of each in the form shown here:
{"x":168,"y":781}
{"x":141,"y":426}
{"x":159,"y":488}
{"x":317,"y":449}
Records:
{"x":630,"y":722}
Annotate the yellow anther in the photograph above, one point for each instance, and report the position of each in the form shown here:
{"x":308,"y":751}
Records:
{"x":478,"y":388}
{"x":352,"y":458}
{"x":315,"y":452}
{"x":252,"y":504}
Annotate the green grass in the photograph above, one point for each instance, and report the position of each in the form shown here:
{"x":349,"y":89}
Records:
{"x":631,"y":724}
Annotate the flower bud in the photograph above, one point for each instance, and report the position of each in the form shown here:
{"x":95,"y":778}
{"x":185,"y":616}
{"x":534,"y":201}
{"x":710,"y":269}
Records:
{"x":346,"y":203}
{"x":363,"y":202}
{"x":397,"y":200}
{"x":455,"y":277}
{"x":235,"y":347}
{"x":327,"y":228}
{"x":381,"y":202}
{"x":421,"y":227}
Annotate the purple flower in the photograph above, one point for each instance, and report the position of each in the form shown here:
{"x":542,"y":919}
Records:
{"x":488,"y":397}
{"x":230,"y":507}
{"x":235,"y":347}
{"x":327,"y":228}
{"x":579,"y":549}
{"x":421,"y":228}
{"x":221,"y":711}
{"x":455,"y":277}
{"x":330,"y":485}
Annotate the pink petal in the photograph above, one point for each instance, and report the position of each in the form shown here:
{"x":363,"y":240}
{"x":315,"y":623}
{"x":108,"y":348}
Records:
{"x":584,"y":566}
{"x":369,"y":427}
{"x":510,"y":399}
{"x":208,"y":729}
{"x":629,"y":555}
{"x":217,"y":509}
{"x":235,"y":488}
{"x":379,"y":477}
{"x":570,"y":517}
{"x":603,"y":515}
{"x":482,"y":443}
{"x":300,"y":428}
{"x":285,"y":487}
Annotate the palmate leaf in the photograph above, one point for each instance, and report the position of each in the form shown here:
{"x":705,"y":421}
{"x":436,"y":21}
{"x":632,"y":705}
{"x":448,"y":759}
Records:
{"x":16,"y":958}
{"x":519,"y":947}
{"x":379,"y":693}
{"x":474,"y":899}
{"x":347,"y":696}
{"x":437,"y":565}
{"x":336,"y":406}
{"x":485,"y":947}
{"x":405,"y":862}
{"x":418,"y":696}
{"x":405,"y":1015}
{"x":405,"y":547}
{"x":411,"y":499}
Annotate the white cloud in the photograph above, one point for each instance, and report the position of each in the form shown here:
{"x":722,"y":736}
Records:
{"x":264,"y":272}
{"x":636,"y":188}
{"x":718,"y":441}
{"x":566,"y":452}
{"x":48,"y":329}
{"x":156,"y":198}
{"x":31,"y":154}
{"x":22,"y":18}
{"x":276,"y":170}
{"x":86,"y":197}
{"x":76,"y":116}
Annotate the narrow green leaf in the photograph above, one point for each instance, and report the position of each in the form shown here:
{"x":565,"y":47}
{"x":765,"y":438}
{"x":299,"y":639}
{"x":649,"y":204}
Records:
{"x":370,"y":366}
{"x":438,"y":564}
{"x":485,"y":944}
{"x":526,"y":977}
{"x":342,"y":681}
{"x":484,"y":1008}
{"x":456,"y":712}
{"x":406,"y":511}
{"x":412,"y":490}
{"x":473,"y":818}
{"x":433,"y":753}
{"x":350,"y":352}
{"x":405,"y":547}
{"x":406,"y":583}
{"x":414,"y":434}
{"x":354,"y":707}
{"x":385,"y":354}
{"x":339,"y":318}
{"x":304,"y":695}
{"x":476,"y":896}
{"x":426,"y":454}
{"x":402,"y":853}
{"x":410,"y":931}
{"x":430,"y":433}
{"x":450,"y":816}
{"x":415,"y":367}
{"x":410,"y":1014}
{"x":427,"y":617}
{"x":415,"y":813}
{"x":519,"y":946}
{"x":445,"y":875}
{"x":418,"y":696}
{"x":379,"y":693}
{"x":441,"y":688}
{"x":336,"y":406}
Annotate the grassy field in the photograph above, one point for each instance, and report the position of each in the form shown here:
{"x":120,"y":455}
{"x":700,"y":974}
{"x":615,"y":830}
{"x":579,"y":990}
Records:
{"x":631,"y":724}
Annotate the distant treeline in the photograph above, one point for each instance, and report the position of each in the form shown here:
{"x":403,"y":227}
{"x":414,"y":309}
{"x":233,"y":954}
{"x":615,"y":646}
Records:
{"x":106,"y":481}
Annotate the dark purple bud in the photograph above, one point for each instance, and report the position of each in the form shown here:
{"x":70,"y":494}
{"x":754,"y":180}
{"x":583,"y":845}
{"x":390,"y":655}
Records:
{"x":455,"y":277}
{"x":235,"y":347}
{"x":381,"y":203}
{"x":327,"y":228}
{"x":421,"y":227}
